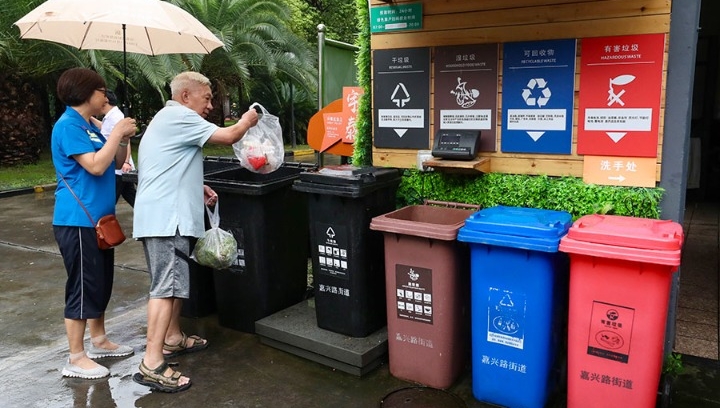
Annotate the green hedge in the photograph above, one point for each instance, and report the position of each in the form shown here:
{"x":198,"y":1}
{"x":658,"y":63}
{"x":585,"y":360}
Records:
{"x":362,"y":153}
{"x":552,"y":193}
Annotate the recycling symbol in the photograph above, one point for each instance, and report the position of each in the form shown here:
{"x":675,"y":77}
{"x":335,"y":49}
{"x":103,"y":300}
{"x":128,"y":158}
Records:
{"x":533,"y":86}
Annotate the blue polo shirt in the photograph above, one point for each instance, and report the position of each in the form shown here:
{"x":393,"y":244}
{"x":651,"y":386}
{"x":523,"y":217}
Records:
{"x":72,"y":135}
{"x":170,"y":174}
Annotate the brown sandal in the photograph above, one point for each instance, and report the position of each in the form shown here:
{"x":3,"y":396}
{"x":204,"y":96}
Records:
{"x":181,"y":348}
{"x":158,"y":381}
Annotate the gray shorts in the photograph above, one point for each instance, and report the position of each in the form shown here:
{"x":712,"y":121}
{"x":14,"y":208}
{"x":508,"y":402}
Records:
{"x":168,"y":261}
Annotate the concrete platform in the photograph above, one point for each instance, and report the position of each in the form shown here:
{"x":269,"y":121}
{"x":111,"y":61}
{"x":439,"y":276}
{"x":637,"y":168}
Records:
{"x":295,"y":331}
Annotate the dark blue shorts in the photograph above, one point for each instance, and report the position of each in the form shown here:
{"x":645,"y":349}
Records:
{"x":90,"y":272}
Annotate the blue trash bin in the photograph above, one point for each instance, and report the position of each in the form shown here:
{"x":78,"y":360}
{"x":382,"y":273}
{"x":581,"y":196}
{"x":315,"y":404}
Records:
{"x":518,"y":290}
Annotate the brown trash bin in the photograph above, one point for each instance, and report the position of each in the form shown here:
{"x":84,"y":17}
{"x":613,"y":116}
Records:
{"x":427,"y":276}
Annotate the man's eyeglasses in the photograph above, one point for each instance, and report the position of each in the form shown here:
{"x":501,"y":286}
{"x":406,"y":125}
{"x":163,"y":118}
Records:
{"x":103,"y":90}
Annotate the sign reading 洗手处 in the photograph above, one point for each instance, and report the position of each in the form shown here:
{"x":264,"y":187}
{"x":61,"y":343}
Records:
{"x":396,"y":17}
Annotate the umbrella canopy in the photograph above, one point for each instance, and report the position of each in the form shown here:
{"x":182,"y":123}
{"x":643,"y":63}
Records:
{"x":150,"y":27}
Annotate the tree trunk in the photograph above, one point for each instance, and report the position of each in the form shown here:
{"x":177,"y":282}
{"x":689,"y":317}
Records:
{"x":23,"y":131}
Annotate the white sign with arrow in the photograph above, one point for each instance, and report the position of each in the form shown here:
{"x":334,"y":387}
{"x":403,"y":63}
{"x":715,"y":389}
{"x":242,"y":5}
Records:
{"x":400,"y":120}
{"x":617,"y":122}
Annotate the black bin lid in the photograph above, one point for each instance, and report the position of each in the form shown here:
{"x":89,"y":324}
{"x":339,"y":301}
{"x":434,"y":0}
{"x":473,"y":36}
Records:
{"x":347,"y":180}
{"x":243,"y":181}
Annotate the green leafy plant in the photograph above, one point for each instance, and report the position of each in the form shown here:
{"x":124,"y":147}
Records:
{"x":673,"y":365}
{"x":362,"y":153}
{"x":569,"y":194}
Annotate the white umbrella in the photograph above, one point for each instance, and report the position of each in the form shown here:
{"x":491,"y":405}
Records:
{"x":150,"y":27}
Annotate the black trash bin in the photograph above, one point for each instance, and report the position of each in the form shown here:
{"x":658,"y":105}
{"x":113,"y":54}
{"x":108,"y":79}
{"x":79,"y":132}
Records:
{"x":347,"y":257}
{"x":270,"y":223}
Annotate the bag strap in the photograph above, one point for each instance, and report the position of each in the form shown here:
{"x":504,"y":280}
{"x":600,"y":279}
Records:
{"x":214,"y":215}
{"x":78,"y":200}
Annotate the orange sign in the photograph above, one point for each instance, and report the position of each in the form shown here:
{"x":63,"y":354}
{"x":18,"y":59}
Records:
{"x":620,"y":171}
{"x":351,"y":100}
{"x":334,"y":123}
{"x":334,"y":129}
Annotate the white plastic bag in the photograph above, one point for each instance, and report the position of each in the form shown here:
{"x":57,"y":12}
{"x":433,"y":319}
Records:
{"x":217,"y":248}
{"x":261,"y":150}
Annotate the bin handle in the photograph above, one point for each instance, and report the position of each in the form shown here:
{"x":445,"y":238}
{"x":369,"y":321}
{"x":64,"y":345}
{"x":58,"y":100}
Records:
{"x":451,"y":204}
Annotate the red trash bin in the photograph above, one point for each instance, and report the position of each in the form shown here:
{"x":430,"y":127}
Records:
{"x":620,"y":277}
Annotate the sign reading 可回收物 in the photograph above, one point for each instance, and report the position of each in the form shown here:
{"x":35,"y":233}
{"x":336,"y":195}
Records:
{"x":401,"y":95}
{"x":620,"y":89}
{"x":538,"y":95}
{"x":466,"y":89}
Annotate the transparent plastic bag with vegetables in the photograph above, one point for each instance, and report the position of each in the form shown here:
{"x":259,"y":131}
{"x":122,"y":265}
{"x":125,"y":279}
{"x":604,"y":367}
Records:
{"x":261,"y":150}
{"x":217,"y":248}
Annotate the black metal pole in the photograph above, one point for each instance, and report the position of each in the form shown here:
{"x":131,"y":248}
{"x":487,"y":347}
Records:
{"x":292,"y":117}
{"x":126,"y":111}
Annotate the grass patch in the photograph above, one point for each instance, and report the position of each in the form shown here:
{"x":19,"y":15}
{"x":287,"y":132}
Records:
{"x":28,"y":175}
{"x":43,"y":172}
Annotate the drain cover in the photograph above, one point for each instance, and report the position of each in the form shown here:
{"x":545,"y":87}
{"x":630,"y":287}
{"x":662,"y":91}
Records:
{"x":421,"y":397}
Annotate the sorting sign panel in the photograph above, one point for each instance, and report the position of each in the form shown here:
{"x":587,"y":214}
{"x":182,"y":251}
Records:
{"x":401,"y":96}
{"x":506,"y":317}
{"x":332,"y":249}
{"x":610,"y":331}
{"x":466,"y":89}
{"x":538,"y":92}
{"x":414,"y":293}
{"x":619,"y":101}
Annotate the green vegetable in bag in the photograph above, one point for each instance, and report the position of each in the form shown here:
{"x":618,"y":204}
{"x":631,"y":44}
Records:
{"x":217,"y":248}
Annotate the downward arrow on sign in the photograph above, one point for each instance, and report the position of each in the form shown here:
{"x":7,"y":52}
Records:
{"x":535,"y":135}
{"x":616,"y":136}
{"x":400,"y":132}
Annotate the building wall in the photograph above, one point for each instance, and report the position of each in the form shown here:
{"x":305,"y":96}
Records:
{"x":459,"y":22}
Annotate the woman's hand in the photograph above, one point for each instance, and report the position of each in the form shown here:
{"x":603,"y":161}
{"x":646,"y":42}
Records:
{"x":127,"y":128}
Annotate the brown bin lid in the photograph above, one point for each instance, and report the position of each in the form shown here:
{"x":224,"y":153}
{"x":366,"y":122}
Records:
{"x":425,"y":221}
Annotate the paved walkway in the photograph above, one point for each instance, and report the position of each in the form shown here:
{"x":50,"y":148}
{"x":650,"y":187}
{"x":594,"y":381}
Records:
{"x":235,"y":371}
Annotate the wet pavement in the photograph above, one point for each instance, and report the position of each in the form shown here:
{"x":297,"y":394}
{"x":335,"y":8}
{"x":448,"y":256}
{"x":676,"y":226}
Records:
{"x":237,"y":370}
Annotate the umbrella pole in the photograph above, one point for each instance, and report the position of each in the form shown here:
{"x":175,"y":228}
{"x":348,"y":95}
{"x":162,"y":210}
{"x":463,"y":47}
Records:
{"x":126,"y":111}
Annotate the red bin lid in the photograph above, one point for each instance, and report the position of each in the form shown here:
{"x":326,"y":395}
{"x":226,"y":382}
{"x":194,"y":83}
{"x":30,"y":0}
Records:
{"x":627,"y":238}
{"x":631,"y":232}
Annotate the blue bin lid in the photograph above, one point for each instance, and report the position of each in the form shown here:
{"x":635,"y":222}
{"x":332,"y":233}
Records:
{"x":517,"y":227}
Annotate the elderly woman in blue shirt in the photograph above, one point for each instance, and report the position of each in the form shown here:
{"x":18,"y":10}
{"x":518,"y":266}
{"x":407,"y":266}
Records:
{"x":85,"y":163}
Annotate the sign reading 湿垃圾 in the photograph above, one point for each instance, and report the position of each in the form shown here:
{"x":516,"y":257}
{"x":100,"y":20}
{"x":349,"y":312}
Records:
{"x":401,"y":97}
{"x":620,"y":89}
{"x":466,"y":89}
{"x":538,"y":96}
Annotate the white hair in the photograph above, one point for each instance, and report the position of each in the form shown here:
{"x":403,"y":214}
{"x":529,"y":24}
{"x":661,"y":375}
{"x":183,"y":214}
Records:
{"x":186,"y":80}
